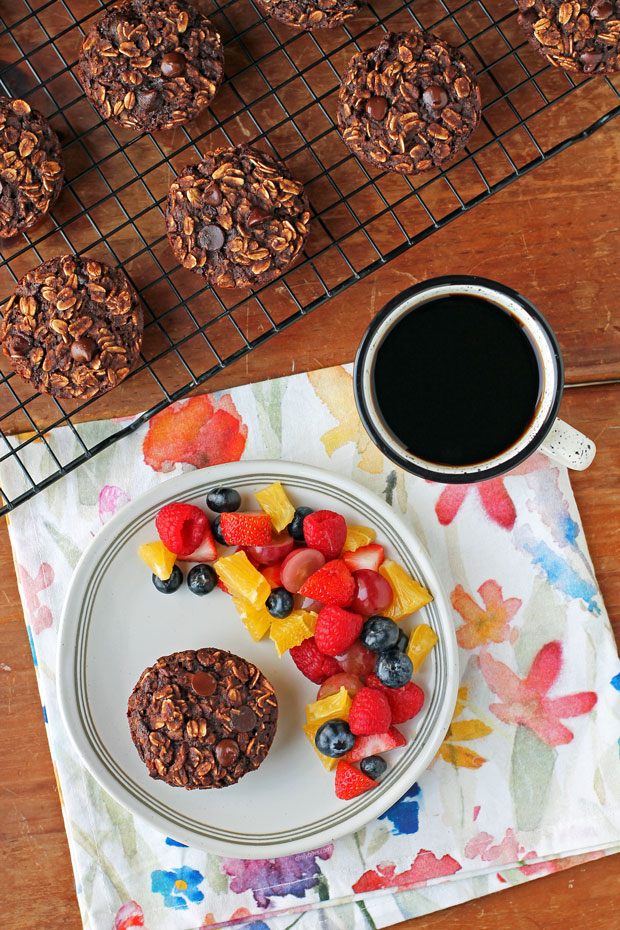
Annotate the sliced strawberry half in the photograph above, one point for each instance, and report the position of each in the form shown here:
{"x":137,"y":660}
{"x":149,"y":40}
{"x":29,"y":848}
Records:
{"x":246,"y":529}
{"x":374,"y":744}
{"x":350,"y":782}
{"x":370,"y":556}
{"x":206,"y":551}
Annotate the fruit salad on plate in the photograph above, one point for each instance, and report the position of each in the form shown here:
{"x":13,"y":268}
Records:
{"x":324,"y":592}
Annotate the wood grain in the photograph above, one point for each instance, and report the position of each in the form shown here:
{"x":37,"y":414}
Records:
{"x":554,"y":236}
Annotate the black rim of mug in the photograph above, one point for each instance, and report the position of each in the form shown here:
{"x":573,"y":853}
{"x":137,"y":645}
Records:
{"x":429,"y":472}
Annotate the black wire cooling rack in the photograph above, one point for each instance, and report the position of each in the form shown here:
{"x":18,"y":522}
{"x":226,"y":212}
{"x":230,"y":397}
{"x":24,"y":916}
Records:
{"x":280,"y":91}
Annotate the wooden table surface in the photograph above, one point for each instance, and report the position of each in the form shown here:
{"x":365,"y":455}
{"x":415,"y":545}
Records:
{"x":555,"y":236}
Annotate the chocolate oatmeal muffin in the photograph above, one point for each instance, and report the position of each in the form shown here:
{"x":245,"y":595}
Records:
{"x":575,"y":35}
{"x":237,"y":218}
{"x":151,"y":64}
{"x":202,"y":719}
{"x":311,"y":14}
{"x":73,"y":327}
{"x":31,"y":169}
{"x":410,"y":104}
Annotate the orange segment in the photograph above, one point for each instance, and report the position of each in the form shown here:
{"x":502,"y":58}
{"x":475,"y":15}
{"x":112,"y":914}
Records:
{"x":334,"y":705}
{"x":422,"y":639}
{"x":273,"y":501}
{"x":256,"y":620}
{"x":310,"y":731}
{"x":290,"y":631}
{"x":358,"y":536}
{"x":159,"y":559}
{"x":242,"y":579}
{"x":409,"y":595}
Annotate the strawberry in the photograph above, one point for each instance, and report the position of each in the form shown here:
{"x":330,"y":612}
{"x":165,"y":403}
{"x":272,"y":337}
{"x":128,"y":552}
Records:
{"x":312,"y":663}
{"x":404,"y":702}
{"x":326,"y":531}
{"x":272,"y":574}
{"x":181,"y":527}
{"x":206,"y":551}
{"x":374,"y":744}
{"x":332,"y":583}
{"x":370,"y":556}
{"x":350,"y":782}
{"x":336,"y":629}
{"x":246,"y":529}
{"x":370,"y":712}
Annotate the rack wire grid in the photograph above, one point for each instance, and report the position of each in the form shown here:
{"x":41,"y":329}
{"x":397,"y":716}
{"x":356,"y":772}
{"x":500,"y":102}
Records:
{"x":280,"y":92}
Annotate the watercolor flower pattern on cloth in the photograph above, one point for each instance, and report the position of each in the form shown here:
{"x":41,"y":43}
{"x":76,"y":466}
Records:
{"x":269,"y":878}
{"x":128,"y":916}
{"x":178,"y":886}
{"x":200,"y":431}
{"x":39,"y":616}
{"x":525,"y":701}
{"x":463,"y":731}
{"x":404,"y":814}
{"x":425,"y":867}
{"x":488,"y":624}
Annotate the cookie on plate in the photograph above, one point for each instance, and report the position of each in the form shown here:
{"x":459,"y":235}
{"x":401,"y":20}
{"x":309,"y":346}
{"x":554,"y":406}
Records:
{"x":73,"y":327}
{"x":151,"y":64}
{"x":237,"y":217}
{"x":202,"y":719}
{"x":409,"y":104}
{"x":31,"y":173}
{"x":311,"y":14}
{"x":582,"y":35}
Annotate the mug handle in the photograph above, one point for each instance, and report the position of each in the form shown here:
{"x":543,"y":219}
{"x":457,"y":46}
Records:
{"x":567,"y":446}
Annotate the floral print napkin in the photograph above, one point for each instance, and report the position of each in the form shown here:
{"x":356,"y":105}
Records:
{"x":528,"y":779}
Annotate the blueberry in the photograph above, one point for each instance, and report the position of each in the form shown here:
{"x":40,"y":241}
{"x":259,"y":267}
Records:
{"x":217,"y":533}
{"x":373,"y":766}
{"x":296,"y":526}
{"x":224,"y":500}
{"x":280,"y":603}
{"x":170,"y":584}
{"x":393,"y":668}
{"x":403,"y":641}
{"x":201,"y":579}
{"x":334,"y":738}
{"x":379,"y":633}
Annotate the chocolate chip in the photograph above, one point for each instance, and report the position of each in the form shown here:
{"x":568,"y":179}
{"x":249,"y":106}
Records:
{"x":590,"y":60}
{"x":243,"y":719}
{"x":173,"y":65}
{"x":601,"y":9}
{"x":226,"y":752}
{"x":82,"y":350}
{"x":527,"y":18}
{"x":212,"y":195}
{"x":258,"y":216}
{"x":147,"y":99}
{"x":435,"y":97}
{"x":211,"y":237}
{"x":18,"y":345}
{"x":376,"y":107}
{"x":204,"y":684}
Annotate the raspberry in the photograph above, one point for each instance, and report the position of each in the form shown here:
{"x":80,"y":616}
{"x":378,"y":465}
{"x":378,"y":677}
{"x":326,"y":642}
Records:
{"x":312,"y":663}
{"x":336,"y":629}
{"x":326,"y":531}
{"x":350,"y":782}
{"x":246,"y":529}
{"x":370,"y":712}
{"x":404,"y":702}
{"x":181,"y":527}
{"x":333,"y":583}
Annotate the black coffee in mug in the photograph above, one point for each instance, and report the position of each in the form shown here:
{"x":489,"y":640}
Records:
{"x":457,"y":380}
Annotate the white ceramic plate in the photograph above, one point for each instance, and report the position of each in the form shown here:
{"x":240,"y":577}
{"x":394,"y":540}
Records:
{"x":115,"y":624}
